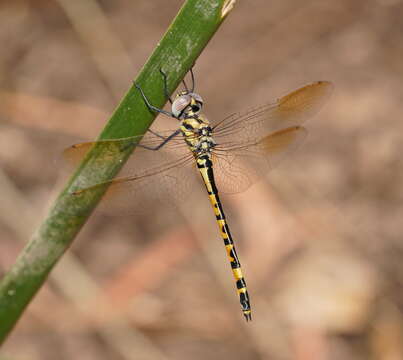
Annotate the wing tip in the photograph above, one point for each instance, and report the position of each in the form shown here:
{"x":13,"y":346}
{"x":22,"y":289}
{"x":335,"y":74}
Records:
{"x":324,"y":84}
{"x":311,"y":96}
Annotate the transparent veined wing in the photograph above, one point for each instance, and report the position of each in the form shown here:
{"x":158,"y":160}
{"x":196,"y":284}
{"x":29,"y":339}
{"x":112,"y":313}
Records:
{"x":236,"y":168}
{"x":149,"y":178}
{"x":251,"y":143}
{"x":75,"y":153}
{"x":290,"y":110}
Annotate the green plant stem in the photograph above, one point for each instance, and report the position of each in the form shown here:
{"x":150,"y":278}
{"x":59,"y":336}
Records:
{"x":183,"y":42}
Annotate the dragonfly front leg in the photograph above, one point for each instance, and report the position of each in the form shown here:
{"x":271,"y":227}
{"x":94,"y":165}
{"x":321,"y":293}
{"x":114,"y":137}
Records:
{"x":156,"y":134}
{"x":159,"y":146}
{"x":164,"y":75}
{"x":153,"y":108}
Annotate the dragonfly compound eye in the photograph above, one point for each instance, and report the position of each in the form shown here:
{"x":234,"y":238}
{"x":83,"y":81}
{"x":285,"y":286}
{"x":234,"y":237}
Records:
{"x":180,"y":104}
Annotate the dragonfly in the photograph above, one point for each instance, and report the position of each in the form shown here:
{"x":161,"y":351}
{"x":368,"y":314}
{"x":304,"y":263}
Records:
{"x":230,"y":154}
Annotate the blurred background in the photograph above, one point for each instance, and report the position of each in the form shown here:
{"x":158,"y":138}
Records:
{"x":319,"y":239}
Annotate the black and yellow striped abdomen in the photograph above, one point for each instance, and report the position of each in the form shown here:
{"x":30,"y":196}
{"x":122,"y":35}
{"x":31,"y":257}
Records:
{"x":205,"y":167}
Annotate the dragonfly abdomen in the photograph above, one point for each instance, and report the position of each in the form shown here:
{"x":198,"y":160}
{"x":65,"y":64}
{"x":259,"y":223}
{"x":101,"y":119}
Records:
{"x":205,"y":167}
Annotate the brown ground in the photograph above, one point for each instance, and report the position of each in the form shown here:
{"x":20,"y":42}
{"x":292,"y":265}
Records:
{"x":320,"y":240}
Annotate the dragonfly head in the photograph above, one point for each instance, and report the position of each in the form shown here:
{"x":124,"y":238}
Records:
{"x":186,"y":105}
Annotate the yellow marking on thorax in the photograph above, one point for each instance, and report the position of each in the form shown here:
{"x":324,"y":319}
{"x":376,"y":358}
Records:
{"x":193,"y":129}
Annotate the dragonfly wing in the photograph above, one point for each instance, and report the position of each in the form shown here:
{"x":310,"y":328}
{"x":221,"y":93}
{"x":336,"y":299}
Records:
{"x":74,"y":154}
{"x":237,"y":167}
{"x":149,"y":178}
{"x":150,"y":187}
{"x":290,"y":110}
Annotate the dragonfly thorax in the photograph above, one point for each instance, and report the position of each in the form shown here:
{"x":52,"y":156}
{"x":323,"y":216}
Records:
{"x":197,"y":133}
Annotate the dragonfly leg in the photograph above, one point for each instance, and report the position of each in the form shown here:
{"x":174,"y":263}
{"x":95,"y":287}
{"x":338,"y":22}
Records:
{"x":156,"y":134}
{"x":193,"y":82}
{"x":152,"y":107}
{"x":164,"y":75}
{"x":159,"y":146}
{"x":193,"y":78}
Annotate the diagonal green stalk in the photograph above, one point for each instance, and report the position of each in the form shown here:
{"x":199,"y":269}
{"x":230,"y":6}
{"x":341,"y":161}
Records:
{"x":186,"y":37}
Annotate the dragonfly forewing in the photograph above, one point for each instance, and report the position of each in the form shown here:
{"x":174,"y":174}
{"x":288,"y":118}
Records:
{"x":290,"y":110}
{"x":74,"y":154}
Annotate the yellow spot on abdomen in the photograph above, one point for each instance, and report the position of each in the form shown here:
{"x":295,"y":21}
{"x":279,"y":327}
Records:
{"x":237,"y":273}
{"x":229,"y":248}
